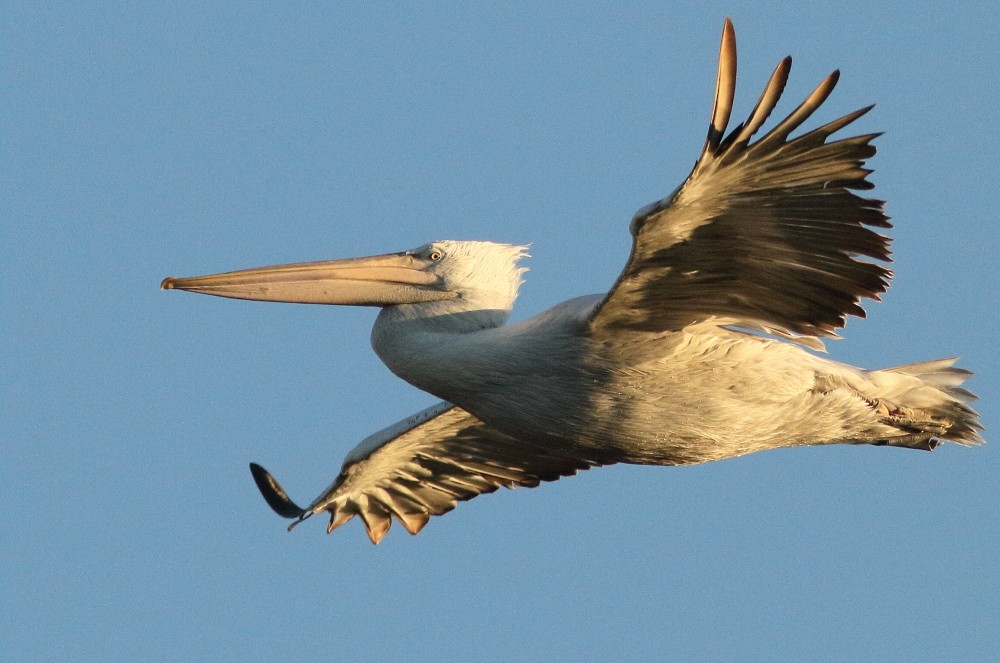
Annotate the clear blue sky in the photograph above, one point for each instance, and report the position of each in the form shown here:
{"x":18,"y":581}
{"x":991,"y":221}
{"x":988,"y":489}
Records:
{"x":145,"y":140}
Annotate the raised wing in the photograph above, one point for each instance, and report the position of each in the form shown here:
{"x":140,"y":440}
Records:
{"x":764,"y":234}
{"x":422,"y":467}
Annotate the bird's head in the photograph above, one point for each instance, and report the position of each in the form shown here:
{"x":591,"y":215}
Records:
{"x":476,"y":274}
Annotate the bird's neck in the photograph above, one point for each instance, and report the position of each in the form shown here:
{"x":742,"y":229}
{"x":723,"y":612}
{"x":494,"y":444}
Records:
{"x":436,"y":349}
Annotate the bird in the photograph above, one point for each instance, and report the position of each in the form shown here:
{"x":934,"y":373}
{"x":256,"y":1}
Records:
{"x":709,"y":345}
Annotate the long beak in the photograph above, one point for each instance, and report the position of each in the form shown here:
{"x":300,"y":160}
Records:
{"x":393,"y":278}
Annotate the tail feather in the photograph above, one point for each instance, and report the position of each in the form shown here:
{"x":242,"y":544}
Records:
{"x":937,"y":396}
{"x":940,"y":372}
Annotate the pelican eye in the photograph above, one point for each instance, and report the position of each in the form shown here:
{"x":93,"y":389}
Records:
{"x":435,"y":255}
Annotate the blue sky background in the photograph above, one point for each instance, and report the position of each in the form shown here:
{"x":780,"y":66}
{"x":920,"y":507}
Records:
{"x":141,"y":140}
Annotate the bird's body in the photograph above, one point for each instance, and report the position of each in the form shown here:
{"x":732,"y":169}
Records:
{"x":701,"y":394}
{"x":695,"y":354}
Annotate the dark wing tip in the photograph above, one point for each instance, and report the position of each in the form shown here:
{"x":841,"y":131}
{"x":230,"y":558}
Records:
{"x":274,"y":494}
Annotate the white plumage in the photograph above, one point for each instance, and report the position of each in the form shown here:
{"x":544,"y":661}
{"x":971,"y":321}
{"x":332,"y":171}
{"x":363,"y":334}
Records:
{"x":695,"y":354}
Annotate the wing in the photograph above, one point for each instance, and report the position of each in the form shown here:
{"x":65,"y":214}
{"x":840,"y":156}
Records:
{"x":422,"y":467}
{"x":764,"y":234}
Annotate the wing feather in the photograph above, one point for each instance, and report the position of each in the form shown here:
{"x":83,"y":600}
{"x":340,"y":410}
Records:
{"x":423,"y":467}
{"x":725,"y":88}
{"x":763,"y":235}
{"x":768,"y":100}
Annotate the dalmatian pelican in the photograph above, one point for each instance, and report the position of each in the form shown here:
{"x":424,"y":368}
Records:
{"x":698,"y":351}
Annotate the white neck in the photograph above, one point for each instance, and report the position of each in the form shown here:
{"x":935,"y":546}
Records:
{"x":433,"y":345}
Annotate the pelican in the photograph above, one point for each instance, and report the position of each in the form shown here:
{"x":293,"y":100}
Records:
{"x":699,"y":351}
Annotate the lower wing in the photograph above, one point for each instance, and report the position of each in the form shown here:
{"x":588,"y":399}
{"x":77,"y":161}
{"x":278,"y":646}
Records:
{"x":422,"y":467}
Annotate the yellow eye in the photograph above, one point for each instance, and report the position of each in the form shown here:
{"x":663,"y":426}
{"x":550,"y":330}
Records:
{"x":435,"y":255}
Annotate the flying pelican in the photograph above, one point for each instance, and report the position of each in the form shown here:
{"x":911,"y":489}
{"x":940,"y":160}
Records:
{"x":695,"y":353}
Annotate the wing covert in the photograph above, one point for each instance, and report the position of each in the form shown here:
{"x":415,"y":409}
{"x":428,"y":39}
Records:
{"x":764,"y":234}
